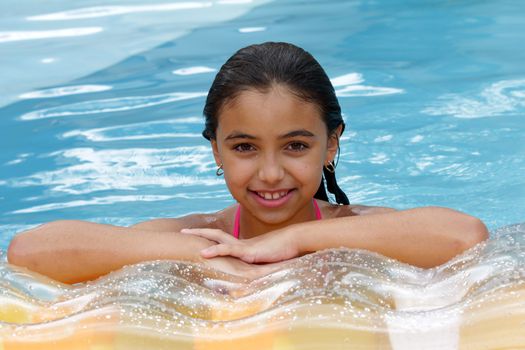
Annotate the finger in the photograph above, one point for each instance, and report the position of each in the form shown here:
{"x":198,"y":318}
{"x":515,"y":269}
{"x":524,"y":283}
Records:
{"x":216,"y":250}
{"x":233,"y":250}
{"x":216,"y":235}
{"x":206,"y":233}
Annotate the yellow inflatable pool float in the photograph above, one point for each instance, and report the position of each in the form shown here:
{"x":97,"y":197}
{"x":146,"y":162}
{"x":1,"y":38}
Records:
{"x":333,"y":299}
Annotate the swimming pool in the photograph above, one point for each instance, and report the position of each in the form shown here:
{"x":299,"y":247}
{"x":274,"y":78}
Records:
{"x":100,"y":106}
{"x":98,"y":124}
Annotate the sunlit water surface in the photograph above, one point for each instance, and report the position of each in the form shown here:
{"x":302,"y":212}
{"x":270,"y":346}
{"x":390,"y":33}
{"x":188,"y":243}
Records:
{"x":100,"y":120}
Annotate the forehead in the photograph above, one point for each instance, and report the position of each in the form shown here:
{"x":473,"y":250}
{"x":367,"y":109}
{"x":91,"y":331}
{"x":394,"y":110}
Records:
{"x":277,"y":108}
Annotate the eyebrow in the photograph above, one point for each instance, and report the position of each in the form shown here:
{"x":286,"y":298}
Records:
{"x":240,"y":135}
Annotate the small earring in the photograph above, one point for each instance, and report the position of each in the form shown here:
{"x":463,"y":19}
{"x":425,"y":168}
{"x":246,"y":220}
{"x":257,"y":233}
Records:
{"x":330,"y":167}
{"x":219,"y":171}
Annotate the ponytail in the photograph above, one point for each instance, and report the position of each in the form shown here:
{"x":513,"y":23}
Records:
{"x":332,"y":187}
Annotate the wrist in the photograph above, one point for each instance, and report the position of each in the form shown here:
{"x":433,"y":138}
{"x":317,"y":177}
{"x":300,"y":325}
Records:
{"x":197,"y":244}
{"x":174,"y":246}
{"x":299,"y":239}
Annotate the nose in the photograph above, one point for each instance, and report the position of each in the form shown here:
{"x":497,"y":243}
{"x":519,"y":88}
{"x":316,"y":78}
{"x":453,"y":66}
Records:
{"x":271,"y":170}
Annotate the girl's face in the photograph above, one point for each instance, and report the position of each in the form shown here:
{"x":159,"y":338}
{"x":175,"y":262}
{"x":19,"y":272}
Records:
{"x":273,"y":147}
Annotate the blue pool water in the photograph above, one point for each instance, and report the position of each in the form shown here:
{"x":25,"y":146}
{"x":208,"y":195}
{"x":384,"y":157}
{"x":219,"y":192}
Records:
{"x":100,"y":106}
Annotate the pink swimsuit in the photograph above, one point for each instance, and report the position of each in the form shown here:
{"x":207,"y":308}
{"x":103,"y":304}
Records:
{"x":237,"y":223}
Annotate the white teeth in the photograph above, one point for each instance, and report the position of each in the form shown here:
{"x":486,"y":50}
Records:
{"x":272,"y":196}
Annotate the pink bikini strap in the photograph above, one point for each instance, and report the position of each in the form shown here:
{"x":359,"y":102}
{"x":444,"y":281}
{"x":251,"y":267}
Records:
{"x":237,"y":221}
{"x":318,"y":215}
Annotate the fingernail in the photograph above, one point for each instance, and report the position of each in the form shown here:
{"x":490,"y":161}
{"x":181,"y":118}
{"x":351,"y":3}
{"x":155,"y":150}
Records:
{"x":185,"y":230}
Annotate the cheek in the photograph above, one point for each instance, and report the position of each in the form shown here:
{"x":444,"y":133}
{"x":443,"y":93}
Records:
{"x":237,"y":173}
{"x":309,"y":172}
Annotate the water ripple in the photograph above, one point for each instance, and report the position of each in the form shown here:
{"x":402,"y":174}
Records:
{"x":500,"y":98}
{"x":93,"y":170}
{"x":138,"y":131}
{"x":193,"y":70}
{"x":48,"y":34}
{"x":347,"y":85}
{"x":105,"y":11}
{"x":252,"y":29}
{"x":119,"y":199}
{"x":65,"y":91}
{"x":110,"y":105}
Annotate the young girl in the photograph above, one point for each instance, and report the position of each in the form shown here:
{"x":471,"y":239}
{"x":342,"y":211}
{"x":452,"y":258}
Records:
{"x":274,"y":123}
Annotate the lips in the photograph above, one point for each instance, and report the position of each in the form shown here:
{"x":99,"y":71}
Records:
{"x":272,"y":199}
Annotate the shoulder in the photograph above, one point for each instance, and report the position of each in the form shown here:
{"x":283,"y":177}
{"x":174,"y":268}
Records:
{"x":368,"y":210}
{"x":222,"y":220}
{"x":337,"y":211}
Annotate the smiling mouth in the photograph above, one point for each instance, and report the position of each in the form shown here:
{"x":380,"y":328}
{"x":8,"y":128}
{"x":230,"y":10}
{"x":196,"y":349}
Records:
{"x":269,"y":196}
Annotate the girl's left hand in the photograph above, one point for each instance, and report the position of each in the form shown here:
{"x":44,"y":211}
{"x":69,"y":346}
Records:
{"x":273,"y":246}
{"x":237,"y":267}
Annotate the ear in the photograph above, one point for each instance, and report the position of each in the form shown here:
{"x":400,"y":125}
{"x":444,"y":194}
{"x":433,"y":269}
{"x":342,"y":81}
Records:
{"x":215,"y":149}
{"x":333,"y":144}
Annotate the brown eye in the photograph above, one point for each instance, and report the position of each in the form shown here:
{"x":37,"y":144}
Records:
{"x":297,"y":146}
{"x":243,"y":147}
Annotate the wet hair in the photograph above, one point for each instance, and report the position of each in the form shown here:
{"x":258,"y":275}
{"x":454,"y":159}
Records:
{"x":264,"y":65}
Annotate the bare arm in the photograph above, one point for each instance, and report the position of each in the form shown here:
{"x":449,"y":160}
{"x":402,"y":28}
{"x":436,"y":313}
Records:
{"x":424,"y":237}
{"x":74,"y":251}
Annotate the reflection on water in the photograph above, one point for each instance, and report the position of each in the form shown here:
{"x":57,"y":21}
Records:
{"x":111,"y":105}
{"x":46,"y":34}
{"x":65,"y":91}
{"x":96,"y":170}
{"x":333,"y":298}
{"x":348,"y":85}
{"x":501,"y":98}
{"x":104,"y":11}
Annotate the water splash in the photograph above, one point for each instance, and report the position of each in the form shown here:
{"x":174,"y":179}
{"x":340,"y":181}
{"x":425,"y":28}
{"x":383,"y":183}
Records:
{"x":333,"y":298}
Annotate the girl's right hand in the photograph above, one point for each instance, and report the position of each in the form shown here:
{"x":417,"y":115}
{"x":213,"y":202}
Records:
{"x":272,"y":247}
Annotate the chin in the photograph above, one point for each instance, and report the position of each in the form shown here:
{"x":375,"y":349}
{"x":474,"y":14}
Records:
{"x":276,"y":219}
